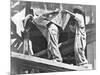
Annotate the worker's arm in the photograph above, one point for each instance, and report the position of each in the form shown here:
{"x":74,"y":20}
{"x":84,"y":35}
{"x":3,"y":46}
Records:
{"x":72,"y":14}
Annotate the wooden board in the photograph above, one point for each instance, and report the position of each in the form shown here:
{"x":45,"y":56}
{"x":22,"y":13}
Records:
{"x":44,"y":64}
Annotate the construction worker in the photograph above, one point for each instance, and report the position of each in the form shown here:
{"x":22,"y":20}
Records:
{"x":80,"y":36}
{"x":53,"y":46}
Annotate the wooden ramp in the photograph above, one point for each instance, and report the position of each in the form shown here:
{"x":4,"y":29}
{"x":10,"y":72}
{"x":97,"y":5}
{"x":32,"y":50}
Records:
{"x":45,"y":64}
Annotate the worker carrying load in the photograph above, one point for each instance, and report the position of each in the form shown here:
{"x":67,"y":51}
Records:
{"x":78,"y":24}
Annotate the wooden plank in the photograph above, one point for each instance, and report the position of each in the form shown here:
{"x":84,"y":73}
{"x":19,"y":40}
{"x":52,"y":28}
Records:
{"x":45,"y":64}
{"x":41,"y":53}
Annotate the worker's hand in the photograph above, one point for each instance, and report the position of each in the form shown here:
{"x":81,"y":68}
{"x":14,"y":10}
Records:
{"x":28,"y":17}
{"x":59,"y":44}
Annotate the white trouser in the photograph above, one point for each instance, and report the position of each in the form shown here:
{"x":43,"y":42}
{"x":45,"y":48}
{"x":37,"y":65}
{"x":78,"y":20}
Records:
{"x":28,"y":47}
{"x":53,"y":46}
{"x":79,"y":49}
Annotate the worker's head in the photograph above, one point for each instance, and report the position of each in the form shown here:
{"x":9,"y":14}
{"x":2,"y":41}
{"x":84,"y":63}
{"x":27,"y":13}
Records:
{"x":78,"y":9}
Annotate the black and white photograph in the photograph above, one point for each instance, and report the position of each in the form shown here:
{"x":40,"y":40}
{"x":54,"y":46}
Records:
{"x":48,"y":37}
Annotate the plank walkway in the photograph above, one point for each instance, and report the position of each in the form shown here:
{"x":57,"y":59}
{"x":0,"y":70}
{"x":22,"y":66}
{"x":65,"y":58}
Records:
{"x":45,"y":64}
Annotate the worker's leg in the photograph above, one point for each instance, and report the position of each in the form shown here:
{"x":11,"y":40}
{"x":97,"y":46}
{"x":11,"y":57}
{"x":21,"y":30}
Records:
{"x":25,"y":46}
{"x":30,"y":48}
{"x":53,"y":42}
{"x":80,"y":45}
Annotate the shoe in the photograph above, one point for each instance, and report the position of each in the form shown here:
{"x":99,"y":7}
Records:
{"x":85,"y":65}
{"x":56,"y":60}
